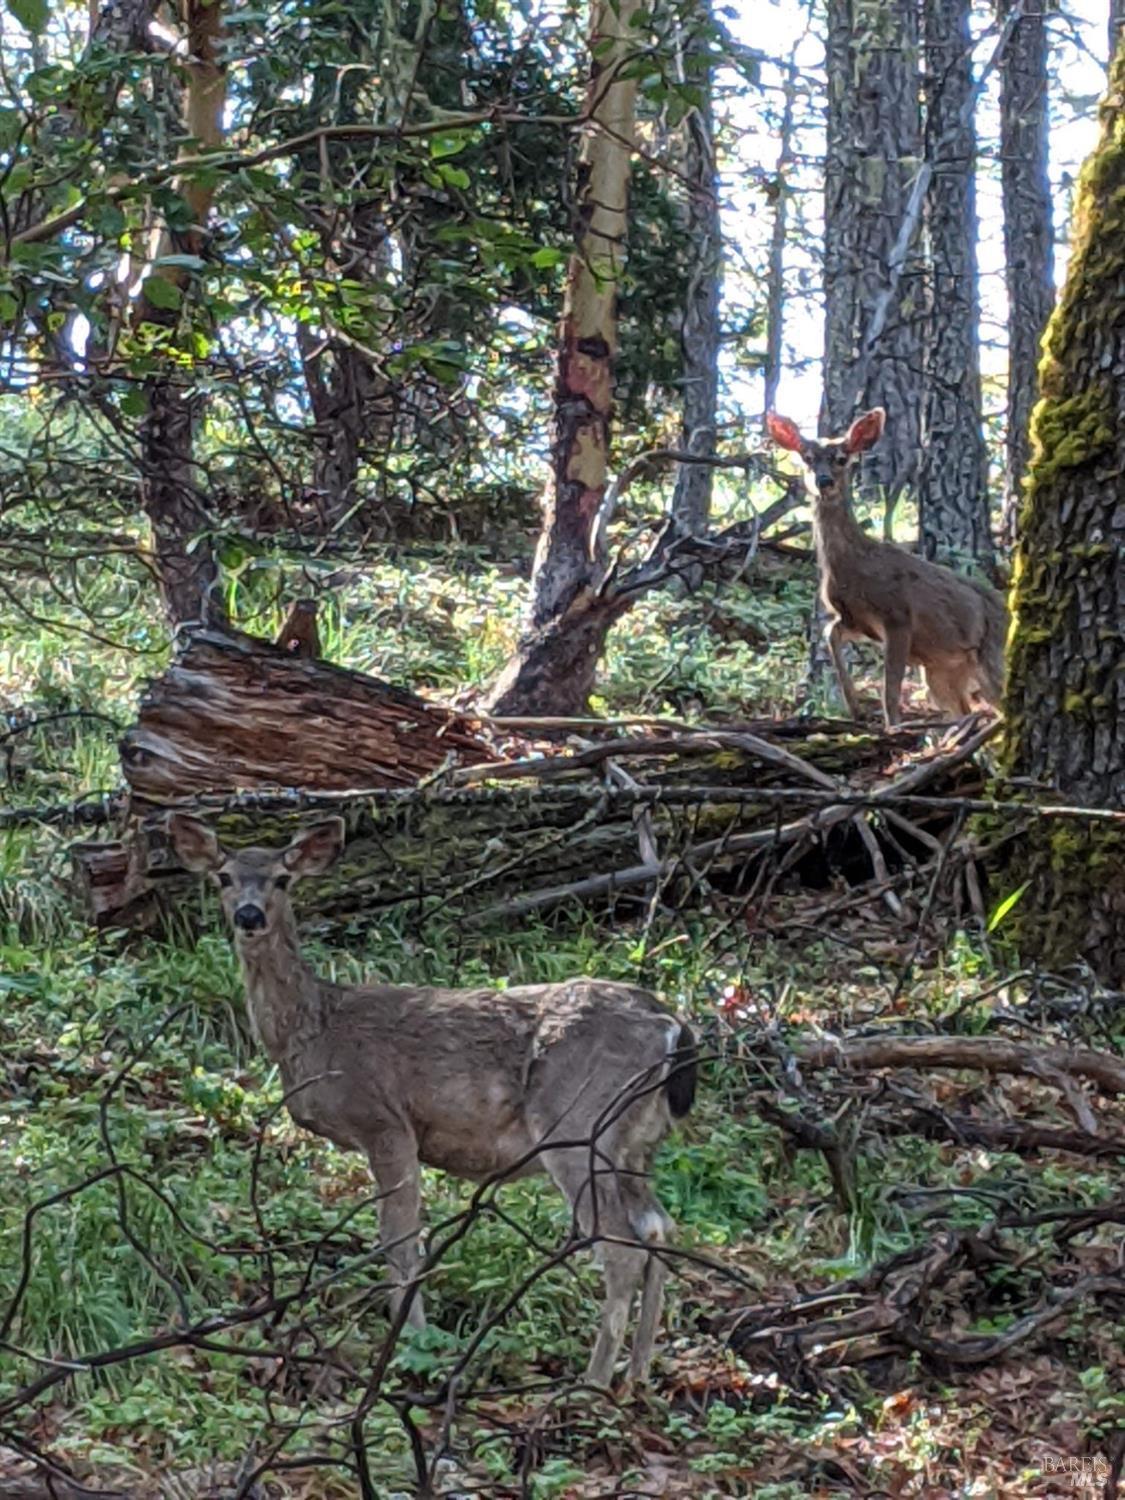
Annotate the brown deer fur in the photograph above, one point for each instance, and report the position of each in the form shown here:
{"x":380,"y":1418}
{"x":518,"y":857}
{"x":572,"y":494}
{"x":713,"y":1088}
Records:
{"x":921,"y":613}
{"x":580,"y":1080}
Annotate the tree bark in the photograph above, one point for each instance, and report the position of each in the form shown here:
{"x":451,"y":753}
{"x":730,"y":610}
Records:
{"x":775,"y":274}
{"x":172,"y":488}
{"x":548,"y":674}
{"x":1116,"y":26}
{"x":874,"y":146}
{"x":1028,"y":232}
{"x":1065,"y":703}
{"x":701,"y":334}
{"x":953,"y":512}
{"x":236,"y":713}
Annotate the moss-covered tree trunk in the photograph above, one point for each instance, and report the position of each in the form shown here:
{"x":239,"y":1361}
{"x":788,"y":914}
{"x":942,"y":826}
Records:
{"x":552,"y":671}
{"x":1065,"y":704}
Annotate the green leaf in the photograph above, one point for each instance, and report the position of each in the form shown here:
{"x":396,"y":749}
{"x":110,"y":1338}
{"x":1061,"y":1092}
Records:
{"x":134,"y":404}
{"x":8,"y":307}
{"x":448,"y":145}
{"x":31,"y":14}
{"x":161,"y":292}
{"x":453,"y":176}
{"x":11,"y":122}
{"x":1006,"y":905}
{"x":547,"y":258}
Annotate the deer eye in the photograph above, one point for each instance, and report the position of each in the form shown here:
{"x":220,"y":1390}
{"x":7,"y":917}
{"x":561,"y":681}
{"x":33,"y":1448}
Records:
{"x":225,"y":880}
{"x":282,"y":882}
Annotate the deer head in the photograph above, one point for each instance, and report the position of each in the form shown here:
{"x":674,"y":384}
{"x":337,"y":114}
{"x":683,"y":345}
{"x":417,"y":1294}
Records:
{"x":828,"y":464}
{"x":254,"y":883}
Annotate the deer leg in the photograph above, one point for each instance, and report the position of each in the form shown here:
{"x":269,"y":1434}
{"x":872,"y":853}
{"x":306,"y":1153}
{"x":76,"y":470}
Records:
{"x":948,"y":691}
{"x":598,"y":1208}
{"x":896,"y":649}
{"x":397,"y":1175}
{"x":623,"y":1269}
{"x":650,"y":1224}
{"x":834,"y":635}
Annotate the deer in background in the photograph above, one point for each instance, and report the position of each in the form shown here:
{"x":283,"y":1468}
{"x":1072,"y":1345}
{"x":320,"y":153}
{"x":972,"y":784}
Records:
{"x":923,"y":614}
{"x":580,"y":1080}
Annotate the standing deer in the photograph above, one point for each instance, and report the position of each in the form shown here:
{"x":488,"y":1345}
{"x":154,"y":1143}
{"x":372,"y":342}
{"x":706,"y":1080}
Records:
{"x":922,"y":613}
{"x":580,"y":1080}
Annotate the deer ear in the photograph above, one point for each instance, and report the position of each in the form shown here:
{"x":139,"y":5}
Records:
{"x":866,"y":431}
{"x":195,"y":844}
{"x":314,"y":851}
{"x":785,"y":433}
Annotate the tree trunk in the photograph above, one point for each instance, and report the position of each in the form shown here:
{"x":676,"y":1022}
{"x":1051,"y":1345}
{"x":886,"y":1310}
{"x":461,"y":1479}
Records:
{"x":701,"y":333}
{"x":1065,"y":703}
{"x":172,"y":488}
{"x":775,"y":275}
{"x":1116,"y":26}
{"x":1028,"y":232}
{"x":546,"y":675}
{"x":874,"y":145}
{"x":953,"y":512}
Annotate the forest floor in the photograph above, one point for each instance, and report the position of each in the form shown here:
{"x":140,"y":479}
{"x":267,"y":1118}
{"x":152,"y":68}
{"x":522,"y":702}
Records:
{"x":140,"y":1122}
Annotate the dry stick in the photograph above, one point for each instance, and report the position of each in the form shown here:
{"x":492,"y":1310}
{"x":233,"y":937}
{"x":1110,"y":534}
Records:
{"x":939,"y":867}
{"x":981,"y":1054}
{"x":899,"y":1290}
{"x":979,"y":1349}
{"x":878,"y":865}
{"x":1005,"y":1135}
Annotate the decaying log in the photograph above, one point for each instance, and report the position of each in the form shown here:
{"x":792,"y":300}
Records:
{"x":233,"y":713}
{"x":457,"y":849}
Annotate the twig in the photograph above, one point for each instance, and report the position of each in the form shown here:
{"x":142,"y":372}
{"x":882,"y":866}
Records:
{"x":981,"y":1054}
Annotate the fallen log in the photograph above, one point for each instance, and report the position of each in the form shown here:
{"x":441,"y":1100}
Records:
{"x":260,"y":739}
{"x":234,"y":713}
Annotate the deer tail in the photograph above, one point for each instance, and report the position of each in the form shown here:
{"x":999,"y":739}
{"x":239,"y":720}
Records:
{"x":683,"y":1069}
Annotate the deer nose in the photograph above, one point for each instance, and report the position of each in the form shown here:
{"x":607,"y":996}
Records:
{"x":249,"y":918}
{"x":824,"y":479}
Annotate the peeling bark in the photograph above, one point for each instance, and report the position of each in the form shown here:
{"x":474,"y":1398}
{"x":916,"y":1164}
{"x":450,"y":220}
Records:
{"x":548,"y":674}
{"x":236,"y":713}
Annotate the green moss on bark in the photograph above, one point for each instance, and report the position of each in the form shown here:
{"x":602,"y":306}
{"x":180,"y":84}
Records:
{"x":1065,"y":699}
